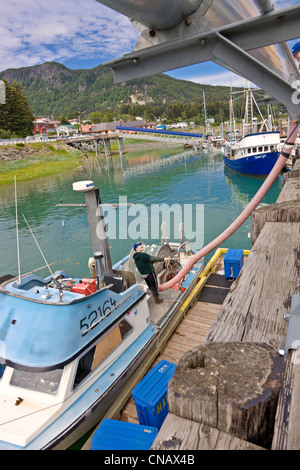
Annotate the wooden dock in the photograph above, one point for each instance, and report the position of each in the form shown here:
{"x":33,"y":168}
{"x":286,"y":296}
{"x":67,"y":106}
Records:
{"x":253,"y":313}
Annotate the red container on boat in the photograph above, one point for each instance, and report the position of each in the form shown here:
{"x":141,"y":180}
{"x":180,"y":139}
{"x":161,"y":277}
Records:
{"x":85,"y":287}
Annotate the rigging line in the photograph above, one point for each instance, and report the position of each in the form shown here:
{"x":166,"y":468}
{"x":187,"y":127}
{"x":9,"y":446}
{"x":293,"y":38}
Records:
{"x":17,"y":227}
{"x":62,"y":239}
{"x":37,"y":245}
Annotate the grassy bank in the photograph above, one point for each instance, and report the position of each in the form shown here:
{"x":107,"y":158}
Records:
{"x":29,"y":161}
{"x":35,"y":161}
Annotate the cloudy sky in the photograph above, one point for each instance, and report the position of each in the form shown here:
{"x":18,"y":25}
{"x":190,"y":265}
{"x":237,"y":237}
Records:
{"x":80,"y":34}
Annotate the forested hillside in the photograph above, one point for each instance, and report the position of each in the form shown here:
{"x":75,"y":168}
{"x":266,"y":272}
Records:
{"x":52,"y":89}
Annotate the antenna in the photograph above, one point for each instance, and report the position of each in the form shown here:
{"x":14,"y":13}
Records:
{"x":38,"y":245}
{"x":17,"y":227}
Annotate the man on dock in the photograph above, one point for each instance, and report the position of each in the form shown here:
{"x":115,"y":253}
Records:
{"x":296,"y":51}
{"x":144,"y":264}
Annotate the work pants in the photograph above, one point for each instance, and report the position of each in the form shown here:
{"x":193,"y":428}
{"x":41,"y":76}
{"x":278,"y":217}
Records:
{"x":151,"y":281}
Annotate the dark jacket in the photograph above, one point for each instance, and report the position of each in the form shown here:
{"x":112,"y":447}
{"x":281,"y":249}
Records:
{"x":144,"y":262}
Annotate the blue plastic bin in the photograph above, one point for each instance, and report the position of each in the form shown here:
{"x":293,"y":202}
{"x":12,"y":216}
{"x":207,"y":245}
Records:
{"x":150,"y":395}
{"x":119,"y":435}
{"x":233,"y":263}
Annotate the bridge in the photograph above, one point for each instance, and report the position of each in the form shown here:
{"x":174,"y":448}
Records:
{"x":159,"y":135}
{"x":94,"y":143}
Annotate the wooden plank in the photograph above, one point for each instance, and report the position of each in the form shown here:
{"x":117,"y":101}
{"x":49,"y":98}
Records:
{"x":179,"y":338}
{"x":129,"y":414}
{"x":188,"y":334}
{"x":202,"y":320}
{"x":289,"y":191}
{"x":179,"y":433}
{"x":287,"y":423}
{"x":187,"y":329}
{"x":255,"y":307}
{"x":195,"y":325}
{"x":179,"y":346}
{"x":285,"y":211}
{"x":205,"y":307}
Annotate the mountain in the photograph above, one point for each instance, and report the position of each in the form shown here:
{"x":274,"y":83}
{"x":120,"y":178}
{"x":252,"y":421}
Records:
{"x":53,"y":89}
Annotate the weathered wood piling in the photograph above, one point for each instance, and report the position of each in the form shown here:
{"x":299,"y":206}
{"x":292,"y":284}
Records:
{"x":237,"y":391}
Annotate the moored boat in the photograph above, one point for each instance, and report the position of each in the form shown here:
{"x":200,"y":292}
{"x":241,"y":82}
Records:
{"x":69,"y":345}
{"x":255,"y":154}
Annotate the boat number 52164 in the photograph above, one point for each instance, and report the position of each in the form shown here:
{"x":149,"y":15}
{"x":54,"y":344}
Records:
{"x":90,"y":321}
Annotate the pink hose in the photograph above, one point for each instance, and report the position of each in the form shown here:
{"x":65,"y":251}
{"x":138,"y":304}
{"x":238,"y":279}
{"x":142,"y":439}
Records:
{"x":273,"y":175}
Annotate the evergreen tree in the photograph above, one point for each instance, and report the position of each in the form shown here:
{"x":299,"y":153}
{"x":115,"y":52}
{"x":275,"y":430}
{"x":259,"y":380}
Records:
{"x":16,"y":115}
{"x":63,"y":119}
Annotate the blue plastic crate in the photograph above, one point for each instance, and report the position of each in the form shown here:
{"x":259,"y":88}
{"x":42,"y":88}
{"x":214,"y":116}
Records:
{"x":150,"y":395}
{"x":233,"y":263}
{"x":119,"y":435}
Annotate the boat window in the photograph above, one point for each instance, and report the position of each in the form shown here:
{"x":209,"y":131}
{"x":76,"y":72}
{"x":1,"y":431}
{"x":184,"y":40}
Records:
{"x":249,"y":150}
{"x":260,"y":149}
{"x":254,"y":150}
{"x":100,"y":351}
{"x":266,"y":148}
{"x":46,"y":382}
{"x":272,"y":148}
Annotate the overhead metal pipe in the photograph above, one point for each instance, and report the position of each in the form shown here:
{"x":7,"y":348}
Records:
{"x":156,"y":14}
{"x":265,"y":5}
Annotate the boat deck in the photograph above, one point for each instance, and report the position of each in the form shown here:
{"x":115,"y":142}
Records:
{"x":192,"y":330}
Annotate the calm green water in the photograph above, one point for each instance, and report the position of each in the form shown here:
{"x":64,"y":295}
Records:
{"x":145,"y":178}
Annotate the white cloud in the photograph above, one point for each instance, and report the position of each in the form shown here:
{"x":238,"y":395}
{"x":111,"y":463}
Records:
{"x":225,"y":78}
{"x":33,"y":32}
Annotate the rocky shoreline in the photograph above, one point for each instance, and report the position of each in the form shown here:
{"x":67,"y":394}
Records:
{"x":17,"y":152}
{"x":12,"y":154}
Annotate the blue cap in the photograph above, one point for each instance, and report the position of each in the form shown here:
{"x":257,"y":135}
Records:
{"x":296,"y":48}
{"x":136,"y":245}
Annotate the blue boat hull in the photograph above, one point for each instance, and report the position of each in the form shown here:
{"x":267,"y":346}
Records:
{"x":260,"y":164}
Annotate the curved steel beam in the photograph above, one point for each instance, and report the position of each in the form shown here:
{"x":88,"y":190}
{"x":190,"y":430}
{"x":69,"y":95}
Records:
{"x":155,"y":14}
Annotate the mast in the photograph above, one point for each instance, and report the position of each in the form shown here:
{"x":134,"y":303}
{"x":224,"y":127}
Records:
{"x":98,"y":233}
{"x":205,"y":117}
{"x":17,"y":228}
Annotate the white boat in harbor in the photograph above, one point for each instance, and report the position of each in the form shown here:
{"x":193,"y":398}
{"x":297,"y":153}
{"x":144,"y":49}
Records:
{"x":255,"y":154}
{"x":69,"y":345}
{"x":257,"y":150}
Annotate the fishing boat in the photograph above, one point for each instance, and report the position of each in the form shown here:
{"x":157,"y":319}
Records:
{"x":258,"y":148}
{"x":255,"y":154}
{"x":69,"y":345}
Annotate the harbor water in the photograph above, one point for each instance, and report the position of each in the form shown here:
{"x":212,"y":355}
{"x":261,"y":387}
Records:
{"x":210,"y":197}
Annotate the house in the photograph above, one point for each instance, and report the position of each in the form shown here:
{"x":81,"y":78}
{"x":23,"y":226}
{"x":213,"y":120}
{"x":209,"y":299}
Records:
{"x":66,"y":129}
{"x":86,"y":128}
{"x":43,"y":126}
{"x":107,"y":128}
{"x":102,"y":128}
{"x":138,"y":123}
